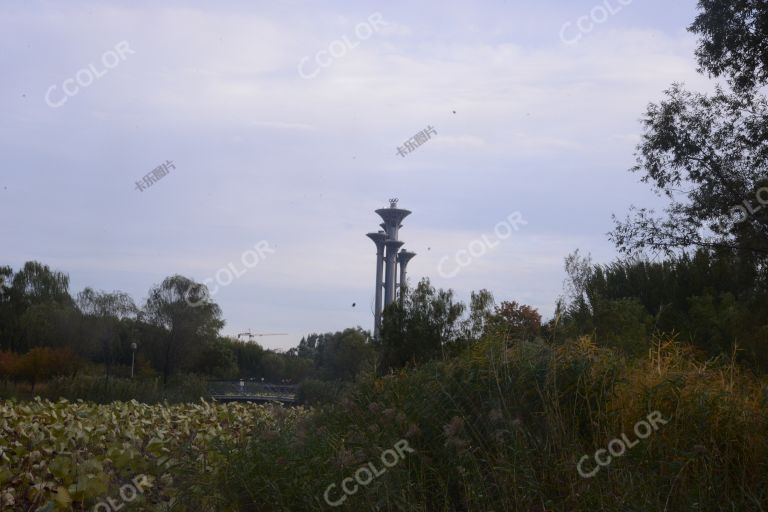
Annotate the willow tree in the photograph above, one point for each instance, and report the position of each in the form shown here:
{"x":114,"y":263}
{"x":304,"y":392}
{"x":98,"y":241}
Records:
{"x":186,"y":328}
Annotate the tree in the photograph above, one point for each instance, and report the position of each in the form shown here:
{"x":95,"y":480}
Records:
{"x":6,"y":273}
{"x":48,"y":325}
{"x":734,"y":40}
{"x":107,"y":318}
{"x":7,"y":316}
{"x":249,"y":357}
{"x":36,"y":294}
{"x":186,"y":328}
{"x":343,"y":355}
{"x":480,"y":312}
{"x":117,"y":305}
{"x":9,"y":362}
{"x":42,"y":363}
{"x":426,"y":325}
{"x":707,"y":156}
{"x":518,"y":320}
{"x":709,"y":299}
{"x":36,"y":283}
{"x":217,"y":359}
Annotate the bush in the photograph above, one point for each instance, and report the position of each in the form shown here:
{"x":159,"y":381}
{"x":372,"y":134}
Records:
{"x":43,"y":363}
{"x":103,"y":390}
{"x":503,"y":427}
{"x":315,"y":392}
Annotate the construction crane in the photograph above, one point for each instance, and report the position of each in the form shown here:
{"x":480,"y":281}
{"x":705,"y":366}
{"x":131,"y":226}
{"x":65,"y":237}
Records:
{"x":254,"y":335}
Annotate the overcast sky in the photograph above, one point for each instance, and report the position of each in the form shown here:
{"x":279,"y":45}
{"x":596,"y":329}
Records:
{"x":536,"y":110}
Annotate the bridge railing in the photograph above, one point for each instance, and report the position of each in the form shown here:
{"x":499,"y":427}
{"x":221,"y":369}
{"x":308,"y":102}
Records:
{"x":251,"y":388}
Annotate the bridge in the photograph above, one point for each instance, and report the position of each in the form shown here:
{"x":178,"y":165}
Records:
{"x":252,"y":391}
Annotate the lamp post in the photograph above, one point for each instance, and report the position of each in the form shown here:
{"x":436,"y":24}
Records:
{"x":133,"y":356}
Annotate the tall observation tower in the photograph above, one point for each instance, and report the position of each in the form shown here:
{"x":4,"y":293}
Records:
{"x":388,"y":258}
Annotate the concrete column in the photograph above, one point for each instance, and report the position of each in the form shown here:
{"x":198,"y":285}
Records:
{"x":403,"y":258}
{"x":378,"y":239}
{"x":390,"y":274}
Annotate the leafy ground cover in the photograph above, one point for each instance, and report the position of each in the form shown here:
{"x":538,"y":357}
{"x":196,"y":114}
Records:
{"x":70,"y":455}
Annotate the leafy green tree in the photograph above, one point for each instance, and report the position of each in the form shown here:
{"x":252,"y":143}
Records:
{"x":480,"y":312}
{"x":249,"y":358}
{"x":426,"y":325}
{"x":34,"y":306}
{"x":710,"y":299}
{"x":518,"y":321}
{"x":734,"y":40}
{"x":298,"y":369}
{"x":217,"y":359}
{"x":49,"y":325}
{"x":107,"y":325}
{"x":7,"y":316}
{"x":339,"y":356}
{"x":344,"y":355}
{"x":36,"y":283}
{"x":186,"y":327}
{"x":273,"y":367}
{"x":707,"y":154}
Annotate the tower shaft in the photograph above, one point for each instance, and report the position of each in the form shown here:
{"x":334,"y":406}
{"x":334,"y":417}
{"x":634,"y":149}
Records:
{"x":387,"y":259}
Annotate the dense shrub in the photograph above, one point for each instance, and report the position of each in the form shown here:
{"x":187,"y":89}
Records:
{"x":503,"y":427}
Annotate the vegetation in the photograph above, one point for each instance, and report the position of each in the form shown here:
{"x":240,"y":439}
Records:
{"x":497,"y":407}
{"x":503,"y":426}
{"x":70,"y":455}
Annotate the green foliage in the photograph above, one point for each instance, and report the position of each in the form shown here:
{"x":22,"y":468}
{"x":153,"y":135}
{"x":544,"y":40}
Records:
{"x":734,"y":40}
{"x":502,"y":428}
{"x":514,"y":320}
{"x":706,"y":153}
{"x":187,"y":328}
{"x":181,"y":388}
{"x":71,"y":455}
{"x":217,"y":359}
{"x":712,"y":299}
{"x":339,"y":356}
{"x":422,"y":327}
{"x":317,"y":392}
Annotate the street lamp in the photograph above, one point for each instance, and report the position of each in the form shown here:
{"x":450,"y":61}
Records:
{"x":133,"y":356}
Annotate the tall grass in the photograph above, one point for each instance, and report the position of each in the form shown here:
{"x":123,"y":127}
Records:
{"x":503,"y":427}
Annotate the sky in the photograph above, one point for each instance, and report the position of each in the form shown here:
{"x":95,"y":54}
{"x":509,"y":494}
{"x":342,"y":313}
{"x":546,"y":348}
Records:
{"x":279,"y":125}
